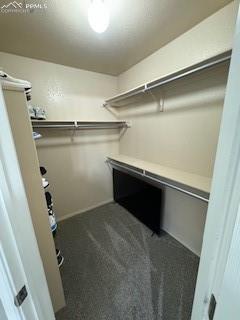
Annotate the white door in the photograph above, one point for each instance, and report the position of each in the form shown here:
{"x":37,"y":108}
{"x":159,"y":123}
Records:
{"x":219,"y":273}
{"x":20,"y":262}
{"x":228,"y":304}
{"x":11,"y":272}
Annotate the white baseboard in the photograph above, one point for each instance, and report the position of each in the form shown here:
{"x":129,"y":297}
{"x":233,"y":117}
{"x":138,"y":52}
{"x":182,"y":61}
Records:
{"x":70,"y":215}
{"x":189,"y":247}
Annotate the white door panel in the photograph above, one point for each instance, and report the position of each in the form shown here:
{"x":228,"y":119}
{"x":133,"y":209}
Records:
{"x":10,"y":262}
{"x":228,"y":304}
{"x":8,"y":310}
{"x":17,"y":238}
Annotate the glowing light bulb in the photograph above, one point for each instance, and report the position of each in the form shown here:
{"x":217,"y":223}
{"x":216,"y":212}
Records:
{"x":98,"y":16}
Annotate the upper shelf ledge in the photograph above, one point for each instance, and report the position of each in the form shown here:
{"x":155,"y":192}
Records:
{"x":75,"y":124}
{"x":127,"y":97}
{"x":189,"y":183}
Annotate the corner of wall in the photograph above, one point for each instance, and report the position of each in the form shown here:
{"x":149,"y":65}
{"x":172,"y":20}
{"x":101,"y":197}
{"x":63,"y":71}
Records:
{"x":210,"y":37}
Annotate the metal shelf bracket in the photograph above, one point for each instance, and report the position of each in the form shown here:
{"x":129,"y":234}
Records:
{"x":160,"y":102}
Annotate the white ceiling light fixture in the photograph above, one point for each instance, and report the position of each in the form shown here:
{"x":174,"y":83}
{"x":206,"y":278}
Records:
{"x":98,"y":15}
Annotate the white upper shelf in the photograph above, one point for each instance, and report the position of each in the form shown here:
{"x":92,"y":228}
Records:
{"x":80,"y":125}
{"x":193,"y":184}
{"x":128,"y":97}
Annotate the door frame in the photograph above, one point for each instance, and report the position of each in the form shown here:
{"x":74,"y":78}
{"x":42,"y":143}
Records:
{"x":7,"y":291}
{"x":13,"y":195}
{"x":225,"y":197}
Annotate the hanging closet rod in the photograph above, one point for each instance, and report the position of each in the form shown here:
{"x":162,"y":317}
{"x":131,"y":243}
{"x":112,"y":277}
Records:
{"x":153,"y":177}
{"x":206,"y":64}
{"x":79,"y":125}
{"x":172,"y":186}
{"x":75,"y":127}
{"x":118,"y":100}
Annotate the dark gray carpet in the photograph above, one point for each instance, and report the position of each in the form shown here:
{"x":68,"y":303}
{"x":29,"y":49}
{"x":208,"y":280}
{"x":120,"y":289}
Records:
{"x":115,"y":270}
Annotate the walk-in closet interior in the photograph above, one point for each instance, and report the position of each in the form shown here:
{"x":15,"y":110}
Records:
{"x":124,"y":147}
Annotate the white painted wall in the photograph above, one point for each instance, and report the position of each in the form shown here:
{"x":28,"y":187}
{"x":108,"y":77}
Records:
{"x":208,"y":38}
{"x":66,"y":93}
{"x":78,"y":175}
{"x":219,"y":264}
{"x":185,"y":135}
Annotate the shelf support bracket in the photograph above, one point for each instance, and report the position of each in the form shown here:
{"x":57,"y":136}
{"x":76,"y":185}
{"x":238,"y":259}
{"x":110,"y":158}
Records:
{"x":110,"y":109}
{"x":75,"y":126}
{"x":160,"y":102}
{"x":124,"y":129}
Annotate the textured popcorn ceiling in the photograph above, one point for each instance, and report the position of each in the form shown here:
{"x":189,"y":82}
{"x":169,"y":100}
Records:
{"x":61,"y":33}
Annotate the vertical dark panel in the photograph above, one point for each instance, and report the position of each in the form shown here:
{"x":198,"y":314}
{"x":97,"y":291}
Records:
{"x":143,"y":200}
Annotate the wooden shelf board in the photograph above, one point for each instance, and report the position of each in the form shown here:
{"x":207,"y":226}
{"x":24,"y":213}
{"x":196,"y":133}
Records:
{"x":125,"y":97}
{"x":128,"y":97}
{"x":189,"y":179}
